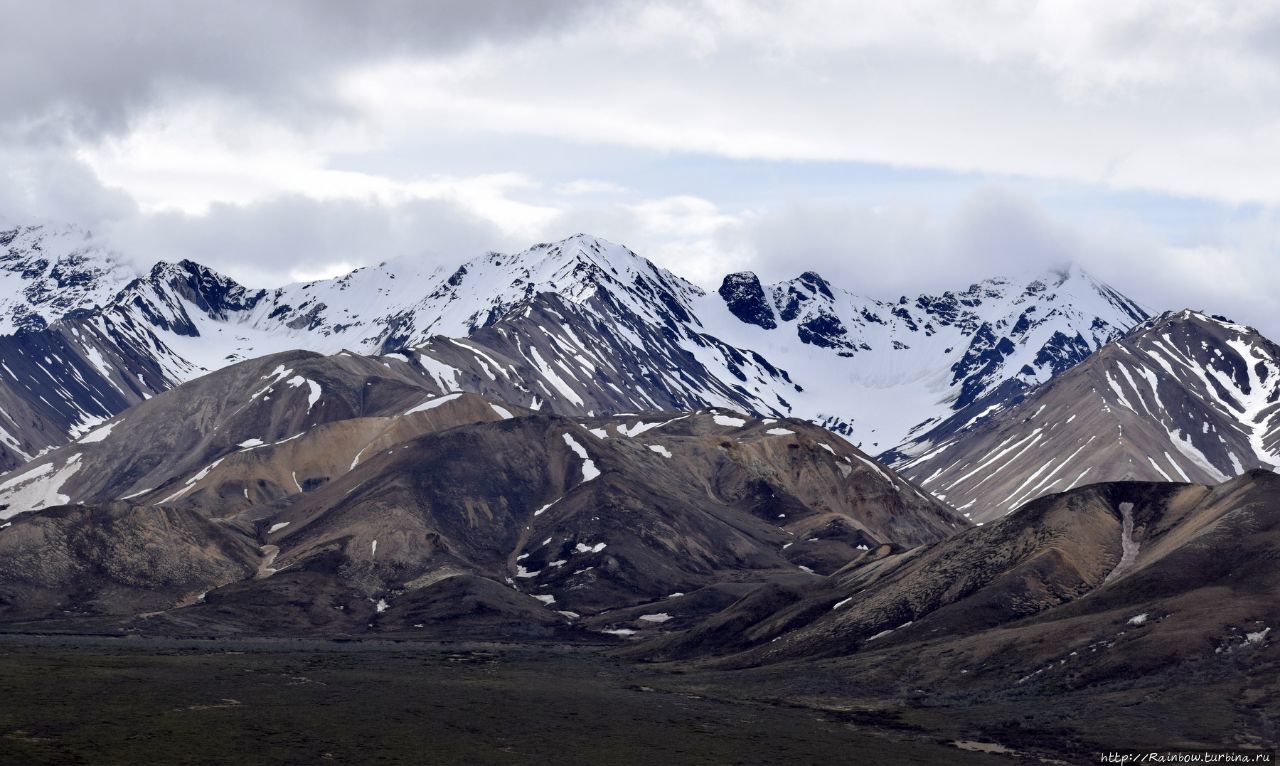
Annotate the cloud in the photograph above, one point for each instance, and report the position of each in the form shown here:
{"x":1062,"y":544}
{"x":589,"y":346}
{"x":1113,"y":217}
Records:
{"x":47,"y":184}
{"x":296,"y":238}
{"x":1130,"y":95}
{"x":1234,"y":274}
{"x":288,"y":139}
{"x":583,"y":186}
{"x":876,"y":250}
{"x":90,"y":68}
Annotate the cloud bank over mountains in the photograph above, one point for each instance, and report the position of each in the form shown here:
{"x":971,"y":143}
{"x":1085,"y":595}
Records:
{"x":919,"y":143}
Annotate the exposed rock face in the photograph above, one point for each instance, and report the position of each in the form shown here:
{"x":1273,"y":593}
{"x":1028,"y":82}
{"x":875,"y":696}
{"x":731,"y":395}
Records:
{"x":1184,"y":397}
{"x":745,"y":299}
{"x":61,"y":382}
{"x":48,"y":272}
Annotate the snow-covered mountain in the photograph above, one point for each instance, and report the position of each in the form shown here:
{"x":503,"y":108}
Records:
{"x":874,"y":370}
{"x":66,"y":364}
{"x":47,"y":272}
{"x":882,"y":371}
{"x":1184,"y":397}
{"x":579,"y":326}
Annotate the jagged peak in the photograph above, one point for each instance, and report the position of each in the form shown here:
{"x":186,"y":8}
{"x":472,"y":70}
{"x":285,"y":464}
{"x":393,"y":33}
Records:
{"x":815,"y":282}
{"x":188,"y":268}
{"x":1192,"y":317}
{"x":594,"y":250}
{"x":576,"y":267}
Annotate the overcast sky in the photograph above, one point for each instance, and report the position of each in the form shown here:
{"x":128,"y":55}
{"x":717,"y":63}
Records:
{"x":894,"y":147}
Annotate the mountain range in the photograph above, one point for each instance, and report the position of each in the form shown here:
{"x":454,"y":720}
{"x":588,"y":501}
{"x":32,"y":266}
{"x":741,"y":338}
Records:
{"x":877,"y":371}
{"x":1030,"y":497}
{"x":583,"y":326}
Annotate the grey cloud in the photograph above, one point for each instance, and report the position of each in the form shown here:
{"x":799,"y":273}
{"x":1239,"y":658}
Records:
{"x":87,"y":67}
{"x":37,"y":183}
{"x":878,"y":251}
{"x":262,"y":244}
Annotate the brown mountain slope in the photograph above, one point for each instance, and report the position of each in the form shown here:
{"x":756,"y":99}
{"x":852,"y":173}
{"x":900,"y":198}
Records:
{"x":119,"y":558}
{"x":1038,"y":631}
{"x":1061,"y":554}
{"x":394,"y":491}
{"x":680,"y":506}
{"x":261,"y":401}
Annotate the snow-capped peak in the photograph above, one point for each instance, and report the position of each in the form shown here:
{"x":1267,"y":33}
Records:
{"x":484,"y":289}
{"x":47,"y":271}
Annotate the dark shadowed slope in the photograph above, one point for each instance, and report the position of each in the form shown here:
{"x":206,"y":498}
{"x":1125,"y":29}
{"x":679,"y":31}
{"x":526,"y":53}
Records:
{"x":1199,"y":562}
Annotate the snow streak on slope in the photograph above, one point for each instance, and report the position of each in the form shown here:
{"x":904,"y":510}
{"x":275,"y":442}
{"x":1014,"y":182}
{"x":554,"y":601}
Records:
{"x":1184,"y":397}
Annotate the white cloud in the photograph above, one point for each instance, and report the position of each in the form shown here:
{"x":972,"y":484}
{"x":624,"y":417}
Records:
{"x":1132,"y":95}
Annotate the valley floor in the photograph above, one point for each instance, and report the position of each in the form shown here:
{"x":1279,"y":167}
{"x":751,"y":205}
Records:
{"x":84,"y":700}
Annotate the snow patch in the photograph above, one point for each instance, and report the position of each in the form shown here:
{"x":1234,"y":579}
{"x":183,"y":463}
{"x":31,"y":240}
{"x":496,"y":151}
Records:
{"x":884,"y":633}
{"x":97,"y":435}
{"x":589,"y":470}
{"x":1128,"y":546}
{"x":431,"y":404}
{"x":37,"y":488}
